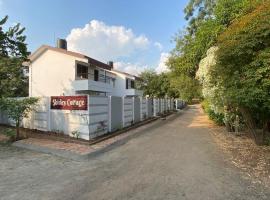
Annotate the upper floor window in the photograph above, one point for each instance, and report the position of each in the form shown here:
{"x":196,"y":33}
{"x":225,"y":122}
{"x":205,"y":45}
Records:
{"x":82,"y":71}
{"x":130,"y":84}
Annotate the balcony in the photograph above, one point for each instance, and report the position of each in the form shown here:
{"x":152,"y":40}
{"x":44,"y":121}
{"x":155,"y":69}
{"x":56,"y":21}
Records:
{"x":133,"y":92}
{"x":88,"y":81}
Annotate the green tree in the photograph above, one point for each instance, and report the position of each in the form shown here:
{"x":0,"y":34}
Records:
{"x":242,"y":67}
{"x":17,"y":109}
{"x":156,"y":85}
{"x":198,"y":11}
{"x":207,"y":20}
{"x":13,"y":52}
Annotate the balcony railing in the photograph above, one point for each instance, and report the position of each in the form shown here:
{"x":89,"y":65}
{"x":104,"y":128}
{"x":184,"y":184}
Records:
{"x":91,"y":76}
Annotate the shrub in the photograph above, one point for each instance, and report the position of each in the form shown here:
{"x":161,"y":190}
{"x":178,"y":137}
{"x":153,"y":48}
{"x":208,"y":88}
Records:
{"x":218,"y":118}
{"x":17,"y":109}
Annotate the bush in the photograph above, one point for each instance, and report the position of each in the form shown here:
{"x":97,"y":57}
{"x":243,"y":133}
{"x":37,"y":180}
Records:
{"x":205,"y":105}
{"x":218,"y":118}
{"x":10,"y":133}
{"x":17,"y":109}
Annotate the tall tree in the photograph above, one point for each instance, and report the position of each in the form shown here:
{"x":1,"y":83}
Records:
{"x":207,"y":20}
{"x":242,"y":67}
{"x":156,"y":85}
{"x":197,"y":11}
{"x":13,"y":52}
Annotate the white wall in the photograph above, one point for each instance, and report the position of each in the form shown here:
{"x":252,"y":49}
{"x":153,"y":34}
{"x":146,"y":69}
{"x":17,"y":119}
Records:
{"x":127,"y":111}
{"x":144,"y":108}
{"x":52,"y":74}
{"x":156,"y":106}
{"x":89,"y":123}
{"x":98,"y":115}
{"x":120,"y":86}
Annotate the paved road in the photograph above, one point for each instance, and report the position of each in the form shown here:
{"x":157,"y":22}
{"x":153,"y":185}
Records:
{"x":173,"y":159}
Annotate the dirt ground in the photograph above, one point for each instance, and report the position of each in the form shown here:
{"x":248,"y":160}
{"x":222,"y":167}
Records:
{"x":251,"y":159}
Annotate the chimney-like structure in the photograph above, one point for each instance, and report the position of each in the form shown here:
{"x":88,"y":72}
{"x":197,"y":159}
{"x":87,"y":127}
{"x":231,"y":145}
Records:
{"x":110,"y":63}
{"x":61,"y":43}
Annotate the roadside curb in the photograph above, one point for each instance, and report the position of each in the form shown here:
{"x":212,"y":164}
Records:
{"x":58,"y":152}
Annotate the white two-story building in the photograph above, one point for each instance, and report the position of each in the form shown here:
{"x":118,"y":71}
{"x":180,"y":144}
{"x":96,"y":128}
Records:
{"x":55,"y":71}
{"x":125,"y":84}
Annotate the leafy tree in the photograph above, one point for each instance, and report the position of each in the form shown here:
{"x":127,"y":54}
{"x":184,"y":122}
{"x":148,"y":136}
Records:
{"x":17,"y":109}
{"x":187,"y":87}
{"x":13,"y":52}
{"x":185,"y":58}
{"x":156,"y":85}
{"x":227,"y":11}
{"x":242,"y":67}
{"x":207,"y":20}
{"x":198,"y":11}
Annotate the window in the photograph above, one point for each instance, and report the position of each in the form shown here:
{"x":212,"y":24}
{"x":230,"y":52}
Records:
{"x":130,"y":84}
{"x":96,"y":75}
{"x":127,"y":83}
{"x":82,"y":71}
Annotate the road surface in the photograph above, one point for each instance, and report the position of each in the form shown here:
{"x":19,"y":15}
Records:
{"x":173,"y":159}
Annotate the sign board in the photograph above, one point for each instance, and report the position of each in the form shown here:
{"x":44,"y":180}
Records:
{"x":69,"y":102}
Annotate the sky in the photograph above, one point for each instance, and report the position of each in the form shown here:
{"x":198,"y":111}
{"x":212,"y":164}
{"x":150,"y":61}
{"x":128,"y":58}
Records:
{"x":136,"y":35}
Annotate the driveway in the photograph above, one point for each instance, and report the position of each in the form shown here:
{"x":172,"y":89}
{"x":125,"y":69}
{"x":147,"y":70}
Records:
{"x":173,"y":159}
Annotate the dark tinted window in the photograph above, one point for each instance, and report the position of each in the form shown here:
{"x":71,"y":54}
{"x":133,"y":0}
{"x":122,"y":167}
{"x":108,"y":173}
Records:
{"x":126,"y":83}
{"x":96,"y":75}
{"x":82,"y":71}
{"x":132,"y":83}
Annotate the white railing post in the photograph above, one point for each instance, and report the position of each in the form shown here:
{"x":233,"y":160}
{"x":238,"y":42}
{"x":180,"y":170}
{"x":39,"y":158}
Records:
{"x":110,"y":113}
{"x":49,"y":114}
{"x":123,"y":111}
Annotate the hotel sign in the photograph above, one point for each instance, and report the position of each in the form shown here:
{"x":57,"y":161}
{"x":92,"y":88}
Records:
{"x":69,"y":102}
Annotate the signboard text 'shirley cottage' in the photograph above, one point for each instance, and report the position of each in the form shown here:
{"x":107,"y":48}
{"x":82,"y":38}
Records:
{"x":55,"y":71}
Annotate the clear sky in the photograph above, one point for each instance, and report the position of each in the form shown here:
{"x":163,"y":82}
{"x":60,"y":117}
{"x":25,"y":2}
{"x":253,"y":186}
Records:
{"x":135,"y":34}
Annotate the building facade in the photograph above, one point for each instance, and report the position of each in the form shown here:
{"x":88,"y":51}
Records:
{"x":55,"y":71}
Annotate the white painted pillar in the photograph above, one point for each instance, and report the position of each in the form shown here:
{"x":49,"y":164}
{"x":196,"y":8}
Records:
{"x":110,"y":113}
{"x":123,"y":112}
{"x":133,"y":108}
{"x":48,"y":113}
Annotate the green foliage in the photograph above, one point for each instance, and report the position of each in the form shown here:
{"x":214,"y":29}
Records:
{"x":13,"y":52}
{"x":217,"y":117}
{"x":243,"y":61}
{"x":11,"y":133}
{"x":242,"y":69}
{"x":156,"y":85}
{"x":226,"y":10}
{"x":205,"y":105}
{"x":187,"y":55}
{"x":207,"y":20}
{"x":187,"y":87}
{"x":17,"y":109}
{"x":198,"y":11}
{"x":76,"y":134}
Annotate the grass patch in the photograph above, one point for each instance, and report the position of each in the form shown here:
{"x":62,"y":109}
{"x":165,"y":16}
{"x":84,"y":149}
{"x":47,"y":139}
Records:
{"x":7,"y":134}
